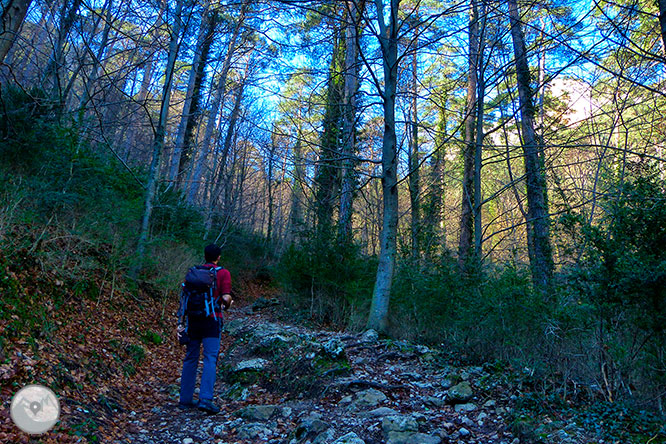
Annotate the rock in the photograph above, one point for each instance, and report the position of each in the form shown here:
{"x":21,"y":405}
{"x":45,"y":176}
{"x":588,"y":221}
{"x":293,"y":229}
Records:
{"x":349,"y":438}
{"x":379,"y":413}
{"x":235,"y":327}
{"x":286,"y":412}
{"x":257,"y":364}
{"x":412,"y":438}
{"x":324,"y":437}
{"x":257,"y":412}
{"x":367,"y":399}
{"x":433,"y":401}
{"x":311,"y":426}
{"x":254,"y":431}
{"x":482,"y":416}
{"x":370,"y":336}
{"x":515,"y":441}
{"x":399,"y":423}
{"x":188,"y":441}
{"x":460,"y":393}
{"x":465,"y":407}
{"x":262,"y":303}
{"x":334,"y":348}
{"x":489,"y":404}
{"x":219,"y":430}
{"x":464,"y":432}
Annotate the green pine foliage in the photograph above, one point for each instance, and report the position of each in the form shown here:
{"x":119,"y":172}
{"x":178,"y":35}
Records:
{"x":330,"y":282}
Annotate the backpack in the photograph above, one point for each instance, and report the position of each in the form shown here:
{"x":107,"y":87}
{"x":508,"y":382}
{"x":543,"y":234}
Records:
{"x":196,"y":297}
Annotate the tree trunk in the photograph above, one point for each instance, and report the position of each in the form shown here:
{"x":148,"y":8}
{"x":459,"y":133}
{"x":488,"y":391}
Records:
{"x":148,"y":68}
{"x":269,"y":186}
{"x":68,"y":15}
{"x":478,"y":145}
{"x":220,"y":92}
{"x":388,"y":40}
{"x":538,"y":219}
{"x":349,"y":118}
{"x":297,"y":193}
{"x":196,"y":76}
{"x":468,"y":198}
{"x":13,"y":14}
{"x":662,"y":23}
{"x":160,"y":130}
{"x":219,"y":183}
{"x":414,"y":159}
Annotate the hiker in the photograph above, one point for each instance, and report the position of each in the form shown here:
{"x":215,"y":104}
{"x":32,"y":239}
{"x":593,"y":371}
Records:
{"x":203,"y":327}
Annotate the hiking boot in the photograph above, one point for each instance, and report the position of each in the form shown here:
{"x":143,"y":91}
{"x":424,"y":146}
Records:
{"x":208,"y":407}
{"x":187,"y":405}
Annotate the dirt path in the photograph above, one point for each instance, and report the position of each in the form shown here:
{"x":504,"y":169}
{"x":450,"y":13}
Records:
{"x":280,"y":383}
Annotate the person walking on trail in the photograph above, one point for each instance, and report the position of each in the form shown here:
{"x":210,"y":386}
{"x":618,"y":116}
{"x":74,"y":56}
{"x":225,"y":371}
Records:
{"x":200,"y":324}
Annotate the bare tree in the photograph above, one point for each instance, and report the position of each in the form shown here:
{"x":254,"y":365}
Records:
{"x":158,"y":142}
{"x":13,"y":14}
{"x":388,"y":41}
{"x":538,"y":219}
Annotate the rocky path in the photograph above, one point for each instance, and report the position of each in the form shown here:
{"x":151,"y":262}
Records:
{"x":284,"y":384}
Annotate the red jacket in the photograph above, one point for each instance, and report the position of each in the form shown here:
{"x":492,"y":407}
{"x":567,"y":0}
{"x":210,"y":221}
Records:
{"x":223,"y":285}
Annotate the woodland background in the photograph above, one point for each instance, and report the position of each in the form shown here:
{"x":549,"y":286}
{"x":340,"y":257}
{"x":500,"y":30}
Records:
{"x":494,"y":170}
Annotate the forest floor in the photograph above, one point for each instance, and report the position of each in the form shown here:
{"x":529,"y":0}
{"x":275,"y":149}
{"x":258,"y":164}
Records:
{"x":116,"y":369}
{"x":285,"y":384}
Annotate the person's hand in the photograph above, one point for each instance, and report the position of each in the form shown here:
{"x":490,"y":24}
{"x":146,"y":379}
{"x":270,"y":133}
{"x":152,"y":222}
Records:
{"x":180,"y":329}
{"x":226,"y":299}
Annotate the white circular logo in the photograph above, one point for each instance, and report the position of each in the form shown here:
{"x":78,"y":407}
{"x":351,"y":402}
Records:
{"x":35,"y":409}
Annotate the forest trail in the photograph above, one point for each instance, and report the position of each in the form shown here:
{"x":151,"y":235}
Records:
{"x":279,"y":383}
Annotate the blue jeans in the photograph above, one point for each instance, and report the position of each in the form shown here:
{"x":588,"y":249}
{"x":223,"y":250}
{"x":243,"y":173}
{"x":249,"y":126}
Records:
{"x":211,"y":348}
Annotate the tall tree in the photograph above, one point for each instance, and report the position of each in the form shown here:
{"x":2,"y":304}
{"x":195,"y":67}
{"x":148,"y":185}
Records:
{"x":414,"y":154}
{"x":351,"y":83}
{"x":469,"y":147}
{"x":192,"y":105}
{"x":13,"y":14}
{"x":220,"y":90}
{"x":387,"y":36}
{"x":662,"y":23}
{"x":160,"y":129}
{"x":52,"y":74}
{"x":328,"y":173}
{"x":538,"y":219}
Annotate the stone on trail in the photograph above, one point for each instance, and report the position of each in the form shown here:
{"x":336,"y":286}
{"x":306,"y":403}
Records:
{"x":379,"y":413}
{"x":254,"y":431}
{"x":257,"y":412}
{"x":334,"y":348}
{"x":367,"y":399}
{"x":399,"y":423}
{"x":349,"y":438}
{"x":433,"y":401}
{"x":257,"y":364}
{"x":469,"y":407}
{"x":459,"y":394}
{"x":412,"y":438}
{"x":370,"y":336}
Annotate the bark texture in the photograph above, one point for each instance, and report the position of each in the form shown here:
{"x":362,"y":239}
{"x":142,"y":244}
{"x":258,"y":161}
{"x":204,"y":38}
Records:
{"x":538,"y":220}
{"x":13,"y":14}
{"x":467,"y":204}
{"x":388,"y":39}
{"x":158,"y":142}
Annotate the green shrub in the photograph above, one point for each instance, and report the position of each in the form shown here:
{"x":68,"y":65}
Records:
{"x":331,"y":282}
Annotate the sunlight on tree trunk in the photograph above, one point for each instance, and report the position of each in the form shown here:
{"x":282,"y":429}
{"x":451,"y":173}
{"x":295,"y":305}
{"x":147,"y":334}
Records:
{"x":388,"y":39}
